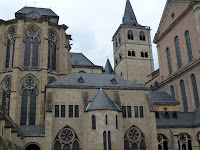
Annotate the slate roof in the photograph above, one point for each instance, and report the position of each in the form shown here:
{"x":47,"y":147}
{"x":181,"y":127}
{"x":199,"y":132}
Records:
{"x":96,"y":80}
{"x":38,"y":12}
{"x":129,"y":15}
{"x":78,"y":59}
{"x":108,"y":68}
{"x":101,"y":101}
{"x":162,"y":98}
{"x":184,"y":119}
{"x":32,"y":130}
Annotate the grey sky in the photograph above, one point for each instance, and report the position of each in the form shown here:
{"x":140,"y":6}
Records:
{"x":92,"y":23}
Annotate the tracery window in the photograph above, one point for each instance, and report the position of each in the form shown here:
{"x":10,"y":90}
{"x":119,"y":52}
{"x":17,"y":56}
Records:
{"x":189,"y":47}
{"x":195,"y":90}
{"x":6,"y":95}
{"x":184,"y":96}
{"x":134,"y":139}
{"x":142,"y":36}
{"x":65,"y":139}
{"x":130,"y":35}
{"x":162,"y":142}
{"x":169,"y":60}
{"x":52,"y":46}
{"x":28,"y":103}
{"x":184,"y":142}
{"x":10,"y":48}
{"x":178,"y":53}
{"x":31,"y":54}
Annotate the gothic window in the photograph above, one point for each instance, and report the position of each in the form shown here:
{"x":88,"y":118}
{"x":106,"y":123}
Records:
{"x":129,"y":112}
{"x":178,"y":53}
{"x":93,"y":122}
{"x":31,"y":48}
{"x":28,"y":103}
{"x":10,"y":48}
{"x":162,"y":142}
{"x":52,"y":46}
{"x":134,"y":139}
{"x":189,"y":47}
{"x":6,"y":95}
{"x":169,"y":60}
{"x":130,"y":35}
{"x":142,"y":36}
{"x":65,"y":139}
{"x":195,"y":90}
{"x":184,"y":142}
{"x":104,"y":141}
{"x":172,"y":91}
{"x":184,"y":96}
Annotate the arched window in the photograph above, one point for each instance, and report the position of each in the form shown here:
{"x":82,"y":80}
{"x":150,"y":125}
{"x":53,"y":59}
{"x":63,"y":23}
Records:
{"x":178,"y":53}
{"x":189,"y":47}
{"x":142,"y":36}
{"x":109,"y":140}
{"x":6,"y":95}
{"x":104,"y":141}
{"x":130,"y":35}
{"x":184,"y":142}
{"x":10,"y":48}
{"x":172,"y":91}
{"x":184,"y":96}
{"x":169,"y":60}
{"x":93,"y":122}
{"x":134,"y":141}
{"x":28,"y":103}
{"x":195,"y":90}
{"x":162,"y":142}
{"x":31,"y":48}
{"x":52,"y":40}
{"x":66,"y":138}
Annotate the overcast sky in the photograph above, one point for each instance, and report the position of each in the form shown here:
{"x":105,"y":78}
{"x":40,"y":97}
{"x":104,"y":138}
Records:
{"x":92,"y":23}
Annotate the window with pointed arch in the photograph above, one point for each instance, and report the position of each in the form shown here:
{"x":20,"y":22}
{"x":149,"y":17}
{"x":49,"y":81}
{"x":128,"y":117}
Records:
{"x":66,"y":139}
{"x":6,"y":95}
{"x":195,"y":90}
{"x":52,"y":50}
{"x":10,"y":47}
{"x":189,"y":46}
{"x":162,"y":142}
{"x":134,"y":139}
{"x":28,"y":103}
{"x":184,"y":96}
{"x":31,"y":54}
{"x":142,"y":36}
{"x":184,"y":141}
{"x":130,"y":35}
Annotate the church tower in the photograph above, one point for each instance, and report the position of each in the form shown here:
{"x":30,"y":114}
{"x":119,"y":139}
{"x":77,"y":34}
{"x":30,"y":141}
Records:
{"x":132,"y":49}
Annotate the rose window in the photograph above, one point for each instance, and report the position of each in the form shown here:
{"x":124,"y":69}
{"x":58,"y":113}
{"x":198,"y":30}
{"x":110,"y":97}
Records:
{"x":29,"y":84}
{"x":66,"y":135}
{"x":32,"y":33}
{"x":183,"y":138}
{"x":51,"y":36}
{"x":134,"y":134}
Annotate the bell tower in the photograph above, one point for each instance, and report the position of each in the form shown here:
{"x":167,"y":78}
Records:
{"x":132,"y":49}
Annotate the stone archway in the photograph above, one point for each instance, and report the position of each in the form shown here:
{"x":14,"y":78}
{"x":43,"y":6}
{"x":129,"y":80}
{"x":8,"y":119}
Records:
{"x":32,"y":147}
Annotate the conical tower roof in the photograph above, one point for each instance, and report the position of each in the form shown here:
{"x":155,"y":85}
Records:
{"x":101,"y":101}
{"x":108,"y":68}
{"x":129,"y":15}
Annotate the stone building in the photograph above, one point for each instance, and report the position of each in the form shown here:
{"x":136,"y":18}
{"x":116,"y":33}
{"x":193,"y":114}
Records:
{"x":54,"y":99}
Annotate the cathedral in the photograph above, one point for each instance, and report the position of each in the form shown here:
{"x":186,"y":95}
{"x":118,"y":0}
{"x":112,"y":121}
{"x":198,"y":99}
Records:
{"x":54,"y":99}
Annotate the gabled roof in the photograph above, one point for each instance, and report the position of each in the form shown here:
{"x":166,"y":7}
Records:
{"x":78,"y":59}
{"x":162,"y":98}
{"x":129,"y":15}
{"x":184,"y":119}
{"x":32,"y":130}
{"x":101,"y":101}
{"x":108,"y":68}
{"x":96,"y":81}
{"x":38,"y":12}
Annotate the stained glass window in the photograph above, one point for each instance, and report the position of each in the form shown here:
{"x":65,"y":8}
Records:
{"x":32,"y":108}
{"x":24,"y":108}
